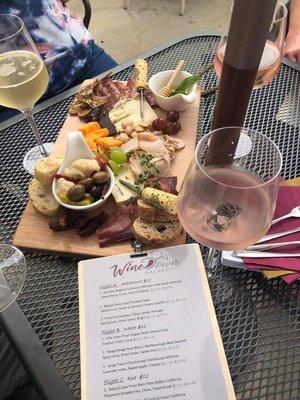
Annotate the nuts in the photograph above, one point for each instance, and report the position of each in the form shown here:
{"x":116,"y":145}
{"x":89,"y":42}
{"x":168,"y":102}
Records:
{"x":133,"y":135}
{"x":144,"y":124}
{"x":123,"y":137}
{"x":128,"y":130}
{"x":139,"y":128}
{"x":126,"y":122}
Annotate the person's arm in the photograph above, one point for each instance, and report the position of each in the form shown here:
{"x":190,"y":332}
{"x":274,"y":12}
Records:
{"x":292,"y":43}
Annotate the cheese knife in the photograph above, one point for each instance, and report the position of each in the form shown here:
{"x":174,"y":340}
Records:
{"x":140,"y":75}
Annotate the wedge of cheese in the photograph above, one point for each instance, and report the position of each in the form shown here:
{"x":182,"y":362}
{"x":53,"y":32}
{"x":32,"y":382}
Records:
{"x":122,"y":194}
{"x":130,"y":110}
{"x":161,"y":200}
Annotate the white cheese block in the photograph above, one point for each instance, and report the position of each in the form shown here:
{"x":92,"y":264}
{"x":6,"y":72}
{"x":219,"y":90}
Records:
{"x":122,"y":193}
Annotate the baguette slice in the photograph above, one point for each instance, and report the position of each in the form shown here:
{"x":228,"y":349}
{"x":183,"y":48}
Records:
{"x":150,"y":213}
{"x":45,"y":169}
{"x":156,"y":233}
{"x":42,"y":199}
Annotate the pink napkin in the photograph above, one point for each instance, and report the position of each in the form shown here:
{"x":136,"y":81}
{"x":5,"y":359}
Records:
{"x":288,"y":197}
{"x":291,"y":278}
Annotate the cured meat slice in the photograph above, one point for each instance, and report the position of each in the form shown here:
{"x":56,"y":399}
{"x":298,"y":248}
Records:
{"x":150,"y":97}
{"x":115,"y":91}
{"x":168,"y":184}
{"x":115,"y":230}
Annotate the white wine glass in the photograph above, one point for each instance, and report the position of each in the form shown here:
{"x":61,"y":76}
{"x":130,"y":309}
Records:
{"x":12,"y":274}
{"x":23,"y":78}
{"x":230,"y":205}
{"x":272,"y":54}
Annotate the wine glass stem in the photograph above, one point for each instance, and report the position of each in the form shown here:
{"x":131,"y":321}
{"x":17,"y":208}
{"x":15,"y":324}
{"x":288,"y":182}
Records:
{"x":29,"y":115}
{"x":210,"y":261}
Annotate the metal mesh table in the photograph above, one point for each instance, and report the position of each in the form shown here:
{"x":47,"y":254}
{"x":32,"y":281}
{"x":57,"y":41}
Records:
{"x":259,"y":322}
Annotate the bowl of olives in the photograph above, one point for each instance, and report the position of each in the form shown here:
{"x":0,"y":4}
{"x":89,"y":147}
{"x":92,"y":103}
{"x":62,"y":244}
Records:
{"x":81,"y":183}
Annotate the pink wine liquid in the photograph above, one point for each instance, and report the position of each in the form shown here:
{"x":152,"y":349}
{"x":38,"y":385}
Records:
{"x":225,"y":184}
{"x":268,"y":67}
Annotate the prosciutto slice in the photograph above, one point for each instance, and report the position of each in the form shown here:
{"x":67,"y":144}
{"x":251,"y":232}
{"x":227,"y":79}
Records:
{"x":115,"y":91}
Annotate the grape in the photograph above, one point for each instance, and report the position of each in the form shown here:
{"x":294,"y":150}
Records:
{"x":172,"y":128}
{"x":169,"y":129}
{"x":159,"y":124}
{"x":118,"y":156}
{"x":113,"y":148}
{"x":176,"y":127}
{"x":173,"y":116}
{"x":115,"y":167}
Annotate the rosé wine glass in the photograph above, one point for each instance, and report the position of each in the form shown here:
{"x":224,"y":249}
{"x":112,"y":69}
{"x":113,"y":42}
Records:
{"x":272,"y":54}
{"x":230,"y":206}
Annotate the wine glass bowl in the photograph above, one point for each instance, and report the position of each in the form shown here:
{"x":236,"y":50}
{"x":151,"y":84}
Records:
{"x":12,"y":274}
{"x":230,"y":206}
{"x":273,"y":50}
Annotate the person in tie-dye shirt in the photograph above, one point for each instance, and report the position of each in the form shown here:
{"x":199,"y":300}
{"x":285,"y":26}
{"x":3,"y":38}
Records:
{"x":64,"y":43}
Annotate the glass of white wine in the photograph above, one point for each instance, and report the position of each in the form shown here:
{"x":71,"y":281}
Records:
{"x":12,"y":274}
{"x":23,"y":78}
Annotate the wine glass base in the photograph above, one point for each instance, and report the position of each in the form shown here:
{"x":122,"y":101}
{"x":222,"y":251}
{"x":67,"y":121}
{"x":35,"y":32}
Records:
{"x":33,"y":155}
{"x":223,"y":290}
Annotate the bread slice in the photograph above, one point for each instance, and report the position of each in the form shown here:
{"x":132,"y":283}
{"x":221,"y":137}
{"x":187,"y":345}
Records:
{"x":156,"y":233}
{"x":42,"y":199}
{"x":150,"y":213}
{"x":45,"y":168}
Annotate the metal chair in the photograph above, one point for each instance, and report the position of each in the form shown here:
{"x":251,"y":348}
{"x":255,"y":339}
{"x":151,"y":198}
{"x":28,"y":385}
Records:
{"x":181,"y":12}
{"x":87,"y":13}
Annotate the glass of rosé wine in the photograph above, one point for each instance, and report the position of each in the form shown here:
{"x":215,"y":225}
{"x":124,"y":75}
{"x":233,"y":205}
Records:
{"x":272,"y":54}
{"x":228,"y":196}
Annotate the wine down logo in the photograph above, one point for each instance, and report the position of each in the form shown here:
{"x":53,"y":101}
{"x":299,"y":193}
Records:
{"x":159,"y":261}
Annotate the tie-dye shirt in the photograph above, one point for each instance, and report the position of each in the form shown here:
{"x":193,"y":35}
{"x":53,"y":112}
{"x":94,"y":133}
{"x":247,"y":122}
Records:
{"x":61,"y":38}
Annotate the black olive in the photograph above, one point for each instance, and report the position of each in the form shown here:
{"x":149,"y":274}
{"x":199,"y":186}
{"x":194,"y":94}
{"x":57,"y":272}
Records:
{"x":87,"y":183}
{"x":96,"y":191}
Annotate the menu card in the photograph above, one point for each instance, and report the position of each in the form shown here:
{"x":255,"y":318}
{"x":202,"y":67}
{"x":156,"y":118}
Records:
{"x":148,"y":330}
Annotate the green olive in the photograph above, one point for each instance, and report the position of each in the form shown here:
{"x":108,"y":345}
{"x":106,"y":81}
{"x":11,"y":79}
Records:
{"x":87,"y":183}
{"x":76,"y":193}
{"x":100,"y":177}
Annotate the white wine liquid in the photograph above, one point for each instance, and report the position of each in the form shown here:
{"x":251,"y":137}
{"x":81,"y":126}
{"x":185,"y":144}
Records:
{"x":23,"y":79}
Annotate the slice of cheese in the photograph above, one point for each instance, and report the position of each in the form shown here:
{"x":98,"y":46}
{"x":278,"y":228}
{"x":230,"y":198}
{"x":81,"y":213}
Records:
{"x":121,"y":193}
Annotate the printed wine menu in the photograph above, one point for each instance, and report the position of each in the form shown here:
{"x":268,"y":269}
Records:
{"x":148,"y":329}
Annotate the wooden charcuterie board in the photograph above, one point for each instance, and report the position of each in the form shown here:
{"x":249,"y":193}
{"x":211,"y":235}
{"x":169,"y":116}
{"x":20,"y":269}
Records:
{"x":33,"y":232}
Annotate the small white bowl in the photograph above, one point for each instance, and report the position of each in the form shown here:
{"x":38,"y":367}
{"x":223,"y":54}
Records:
{"x":77,"y":148}
{"x":179,"y":102}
